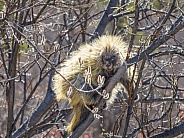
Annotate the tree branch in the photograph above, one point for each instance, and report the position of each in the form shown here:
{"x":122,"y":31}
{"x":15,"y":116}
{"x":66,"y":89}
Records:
{"x":105,"y":19}
{"x":171,"y":133}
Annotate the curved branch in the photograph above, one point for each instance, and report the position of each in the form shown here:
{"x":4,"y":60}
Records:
{"x":175,"y":131}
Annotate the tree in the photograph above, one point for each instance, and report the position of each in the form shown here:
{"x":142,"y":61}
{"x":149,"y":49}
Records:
{"x":36,"y":37}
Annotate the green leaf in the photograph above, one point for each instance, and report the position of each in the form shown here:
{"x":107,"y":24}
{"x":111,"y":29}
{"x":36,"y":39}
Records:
{"x":1,"y":6}
{"x":130,"y":6}
{"x":157,"y":5}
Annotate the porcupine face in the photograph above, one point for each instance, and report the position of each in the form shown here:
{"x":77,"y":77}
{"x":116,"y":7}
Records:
{"x":110,"y":61}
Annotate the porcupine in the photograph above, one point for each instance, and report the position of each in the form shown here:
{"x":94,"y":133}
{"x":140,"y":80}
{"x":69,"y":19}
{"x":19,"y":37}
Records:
{"x":103,"y":57}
